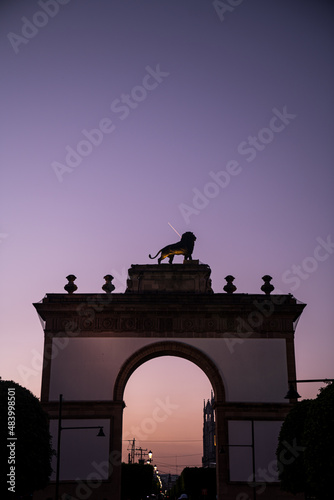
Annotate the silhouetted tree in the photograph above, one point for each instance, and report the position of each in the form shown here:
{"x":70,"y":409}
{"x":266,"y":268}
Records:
{"x":25,"y":442}
{"x":319,"y":442}
{"x":305,"y":451}
{"x":290,"y":455}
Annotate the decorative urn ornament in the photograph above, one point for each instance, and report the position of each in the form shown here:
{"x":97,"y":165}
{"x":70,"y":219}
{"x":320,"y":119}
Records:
{"x":267,"y":287}
{"x":70,"y":287}
{"x":108,"y":287}
{"x":229,"y":287}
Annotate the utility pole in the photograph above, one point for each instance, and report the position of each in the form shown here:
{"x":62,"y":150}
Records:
{"x":132,"y":448}
{"x":135,"y":452}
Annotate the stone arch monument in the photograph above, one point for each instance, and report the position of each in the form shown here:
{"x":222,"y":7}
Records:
{"x":243,"y":342}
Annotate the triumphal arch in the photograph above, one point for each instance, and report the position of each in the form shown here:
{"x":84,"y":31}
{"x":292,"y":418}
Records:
{"x":244,"y":343}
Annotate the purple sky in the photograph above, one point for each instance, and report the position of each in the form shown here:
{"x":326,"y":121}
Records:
{"x":180,"y":94}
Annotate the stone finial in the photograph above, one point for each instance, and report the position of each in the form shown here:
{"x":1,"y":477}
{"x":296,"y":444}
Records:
{"x":108,"y":287}
{"x":70,"y":287}
{"x":267,"y":287}
{"x":229,"y":287}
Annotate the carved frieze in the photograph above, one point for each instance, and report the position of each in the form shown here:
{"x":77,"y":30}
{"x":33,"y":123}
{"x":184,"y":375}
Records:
{"x":178,"y":323}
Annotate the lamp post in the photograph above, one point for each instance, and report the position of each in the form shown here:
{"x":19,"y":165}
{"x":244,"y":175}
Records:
{"x":292,"y":392}
{"x":60,"y":428}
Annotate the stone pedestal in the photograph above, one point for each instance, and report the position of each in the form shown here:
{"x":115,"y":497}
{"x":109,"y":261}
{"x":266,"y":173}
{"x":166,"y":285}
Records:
{"x":189,"y":277}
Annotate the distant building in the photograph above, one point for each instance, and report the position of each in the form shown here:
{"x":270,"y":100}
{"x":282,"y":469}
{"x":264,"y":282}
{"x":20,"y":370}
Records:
{"x":168,"y":480}
{"x":209,"y":434}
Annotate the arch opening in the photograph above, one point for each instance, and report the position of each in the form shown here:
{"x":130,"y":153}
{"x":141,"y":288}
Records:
{"x":164,"y":413}
{"x":191,"y":354}
{"x":170,"y":348}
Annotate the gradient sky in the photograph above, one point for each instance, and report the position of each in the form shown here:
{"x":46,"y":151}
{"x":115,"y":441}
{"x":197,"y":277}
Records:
{"x":222,"y":80}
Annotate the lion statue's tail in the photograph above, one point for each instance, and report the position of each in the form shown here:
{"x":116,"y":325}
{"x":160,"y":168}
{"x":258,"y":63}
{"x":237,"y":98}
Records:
{"x":154,"y":256}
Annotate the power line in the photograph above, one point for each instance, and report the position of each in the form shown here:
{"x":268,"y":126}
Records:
{"x":174,"y":466}
{"x":169,"y":441}
{"x":171,"y":456}
{"x":166,"y":469}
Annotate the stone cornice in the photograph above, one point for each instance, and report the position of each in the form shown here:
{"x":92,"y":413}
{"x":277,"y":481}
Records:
{"x":169,"y":314}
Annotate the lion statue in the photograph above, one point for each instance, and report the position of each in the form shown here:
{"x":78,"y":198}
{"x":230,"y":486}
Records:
{"x":184,"y":247}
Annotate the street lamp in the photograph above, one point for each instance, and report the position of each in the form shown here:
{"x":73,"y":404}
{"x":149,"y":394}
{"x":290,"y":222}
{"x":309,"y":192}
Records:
{"x":60,"y":428}
{"x":149,"y":460}
{"x":292,"y":392}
